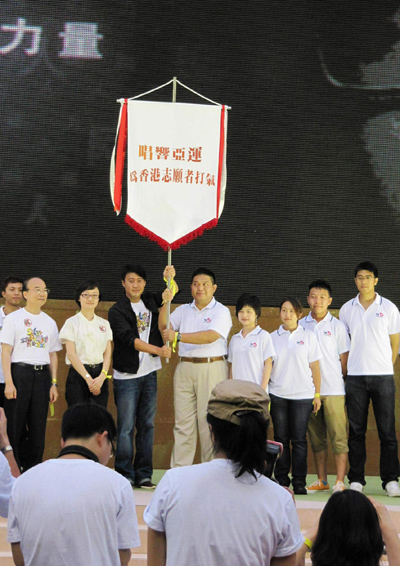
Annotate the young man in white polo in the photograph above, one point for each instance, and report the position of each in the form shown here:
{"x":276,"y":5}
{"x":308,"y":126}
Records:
{"x":30,"y":344}
{"x":331,"y":418}
{"x":201,"y":328}
{"x":12,"y":294}
{"x":373,"y":323}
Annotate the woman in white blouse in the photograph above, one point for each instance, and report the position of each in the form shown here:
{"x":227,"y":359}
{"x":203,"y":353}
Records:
{"x":294,"y":389}
{"x":87,"y":339}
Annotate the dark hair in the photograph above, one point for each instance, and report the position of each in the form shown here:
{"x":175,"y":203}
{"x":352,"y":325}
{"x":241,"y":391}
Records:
{"x":247,"y":300}
{"x":296,"y":304}
{"x":204,"y":271}
{"x":366,"y":266}
{"x":244,"y":444}
{"x":83,"y":420}
{"x":8,"y":280}
{"x":349,"y":533}
{"x":86,"y":286}
{"x":133,"y":268}
{"x":26,"y":281}
{"x":320,"y":284}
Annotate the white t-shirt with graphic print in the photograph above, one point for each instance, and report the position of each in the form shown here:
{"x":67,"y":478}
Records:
{"x":33,"y":337}
{"x":147,"y":362}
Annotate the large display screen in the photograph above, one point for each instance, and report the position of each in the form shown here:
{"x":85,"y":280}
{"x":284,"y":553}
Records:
{"x":313,"y":158}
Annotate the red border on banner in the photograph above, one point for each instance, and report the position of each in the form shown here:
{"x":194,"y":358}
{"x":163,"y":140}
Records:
{"x":120,"y":158}
{"x":221,"y":157}
{"x":162,"y":243}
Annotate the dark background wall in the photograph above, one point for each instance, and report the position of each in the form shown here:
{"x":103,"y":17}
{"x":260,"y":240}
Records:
{"x":313,"y":169}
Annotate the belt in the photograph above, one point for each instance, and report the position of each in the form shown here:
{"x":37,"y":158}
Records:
{"x":93,"y":365}
{"x":36,"y":367}
{"x":203,"y":360}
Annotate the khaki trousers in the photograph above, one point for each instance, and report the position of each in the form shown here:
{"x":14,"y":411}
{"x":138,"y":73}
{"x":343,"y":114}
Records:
{"x":193,"y":384}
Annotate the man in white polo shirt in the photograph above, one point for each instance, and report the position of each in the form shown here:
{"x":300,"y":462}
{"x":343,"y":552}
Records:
{"x":201,"y":328}
{"x":30,"y":344}
{"x":335,"y":345}
{"x":374,"y":325}
{"x":12,"y":295}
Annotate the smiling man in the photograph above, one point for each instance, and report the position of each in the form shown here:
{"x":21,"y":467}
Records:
{"x":138,"y":347}
{"x":373,"y":323}
{"x":201,"y":328}
{"x":30,"y":344}
{"x":331,"y":419}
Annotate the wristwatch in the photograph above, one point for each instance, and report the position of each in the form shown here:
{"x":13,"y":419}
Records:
{"x":7,"y":448}
{"x":178,"y":337}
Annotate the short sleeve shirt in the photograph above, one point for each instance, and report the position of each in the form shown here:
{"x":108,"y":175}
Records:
{"x":89,"y":336}
{"x":248,"y":354}
{"x":212,"y":517}
{"x":333,"y":341}
{"x":215,"y":316}
{"x":370,"y":350}
{"x":291,"y":374}
{"x":33,"y":337}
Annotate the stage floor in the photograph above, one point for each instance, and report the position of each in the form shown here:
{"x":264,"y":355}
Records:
{"x":316,"y":500}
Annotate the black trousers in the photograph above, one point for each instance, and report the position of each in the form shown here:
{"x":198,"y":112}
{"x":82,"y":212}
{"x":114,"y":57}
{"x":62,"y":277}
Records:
{"x":27,"y":414}
{"x":77,"y":391}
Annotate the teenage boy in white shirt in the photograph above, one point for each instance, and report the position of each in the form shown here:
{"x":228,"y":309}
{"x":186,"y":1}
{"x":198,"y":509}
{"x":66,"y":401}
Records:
{"x":373,"y":323}
{"x":30,"y":344}
{"x":12,"y":294}
{"x":335,"y":344}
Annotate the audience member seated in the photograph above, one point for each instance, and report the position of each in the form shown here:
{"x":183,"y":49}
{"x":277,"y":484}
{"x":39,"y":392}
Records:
{"x":352,"y":531}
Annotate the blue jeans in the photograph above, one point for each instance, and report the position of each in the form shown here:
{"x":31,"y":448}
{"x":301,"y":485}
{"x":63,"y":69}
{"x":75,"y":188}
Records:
{"x":290,"y":418}
{"x":136,"y":401}
{"x":360,"y":389}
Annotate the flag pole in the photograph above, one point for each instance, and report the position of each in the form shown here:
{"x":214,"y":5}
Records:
{"x":169,"y":249}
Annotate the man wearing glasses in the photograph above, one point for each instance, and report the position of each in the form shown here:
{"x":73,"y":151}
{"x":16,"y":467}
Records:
{"x":374,"y":325}
{"x":30,"y":344}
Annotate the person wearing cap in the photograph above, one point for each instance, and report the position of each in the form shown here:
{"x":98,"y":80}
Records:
{"x":201,"y":328}
{"x":138,"y":347}
{"x":225,"y":511}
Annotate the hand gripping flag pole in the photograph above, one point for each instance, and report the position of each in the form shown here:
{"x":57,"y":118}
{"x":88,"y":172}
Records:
{"x":176,"y":177}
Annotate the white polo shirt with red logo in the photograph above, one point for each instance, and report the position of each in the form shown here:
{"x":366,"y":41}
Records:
{"x":370,"y":350}
{"x":248,"y":354}
{"x":291,"y":373}
{"x":333,"y":340}
{"x":188,"y":318}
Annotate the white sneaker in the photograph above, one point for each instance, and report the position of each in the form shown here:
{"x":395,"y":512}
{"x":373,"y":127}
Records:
{"x":392,"y":489}
{"x":339,"y":486}
{"x":359,"y":486}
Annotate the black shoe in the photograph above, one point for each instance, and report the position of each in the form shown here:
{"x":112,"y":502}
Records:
{"x":146,"y":485}
{"x":300,"y":490}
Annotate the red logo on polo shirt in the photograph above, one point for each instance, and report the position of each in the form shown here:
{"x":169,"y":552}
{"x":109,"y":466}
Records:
{"x":327,"y":333}
{"x":102,"y":328}
{"x":27,"y":322}
{"x":379,"y":314}
{"x":253,"y":345}
{"x":208,"y":320}
{"x":300,"y":342}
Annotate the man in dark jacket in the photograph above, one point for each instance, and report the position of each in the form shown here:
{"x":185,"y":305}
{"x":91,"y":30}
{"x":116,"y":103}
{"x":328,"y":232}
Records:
{"x":138,"y":347}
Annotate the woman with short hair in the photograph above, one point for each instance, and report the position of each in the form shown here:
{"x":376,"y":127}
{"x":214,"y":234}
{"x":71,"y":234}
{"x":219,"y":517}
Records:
{"x":87,"y":339}
{"x":294,"y":388}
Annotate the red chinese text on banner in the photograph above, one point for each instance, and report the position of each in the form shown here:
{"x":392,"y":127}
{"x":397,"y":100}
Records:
{"x":176,"y":169}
